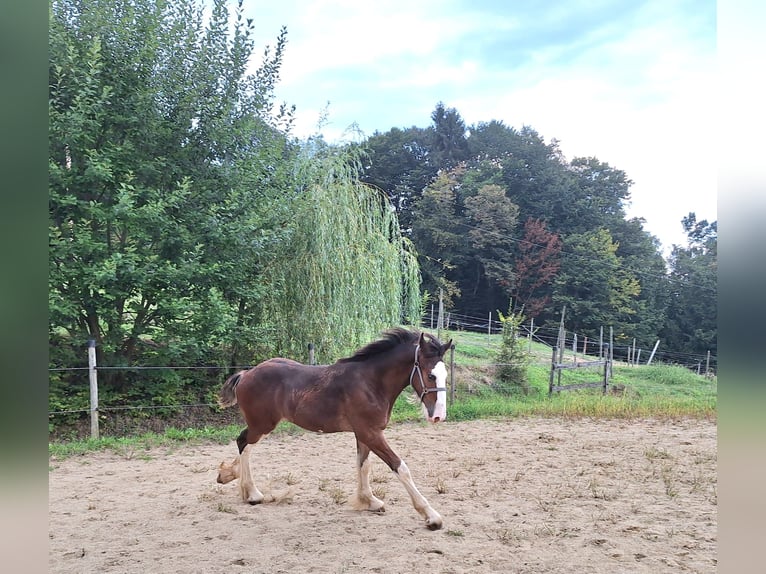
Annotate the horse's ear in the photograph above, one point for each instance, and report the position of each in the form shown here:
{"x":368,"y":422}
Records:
{"x":446,"y":347}
{"x":422,"y":339}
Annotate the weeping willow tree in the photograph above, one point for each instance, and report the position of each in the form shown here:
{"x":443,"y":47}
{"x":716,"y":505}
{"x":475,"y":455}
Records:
{"x":345,"y":271}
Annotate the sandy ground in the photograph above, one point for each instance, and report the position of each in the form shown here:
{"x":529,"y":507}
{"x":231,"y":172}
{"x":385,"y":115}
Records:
{"x":526,"y":495}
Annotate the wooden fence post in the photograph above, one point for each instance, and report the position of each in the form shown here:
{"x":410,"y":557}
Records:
{"x":312,"y":360}
{"x":553,"y":371}
{"x":529,"y":337}
{"x":657,"y":344}
{"x":93,"y":388}
{"x":452,"y":373}
{"x":574,"y":347}
{"x":601,"y":343}
{"x":440,"y":317}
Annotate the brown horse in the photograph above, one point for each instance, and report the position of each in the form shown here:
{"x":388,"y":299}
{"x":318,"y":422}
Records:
{"x":355,"y":394}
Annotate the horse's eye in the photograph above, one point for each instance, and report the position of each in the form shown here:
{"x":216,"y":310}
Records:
{"x":431,"y":377}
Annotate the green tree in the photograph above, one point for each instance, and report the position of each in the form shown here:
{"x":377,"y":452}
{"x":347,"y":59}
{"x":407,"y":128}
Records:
{"x":186,"y":226}
{"x":598,"y":195}
{"x":491,"y":223}
{"x":399,"y":162}
{"x":345,"y":271}
{"x":594,"y":286}
{"x":512,"y":359}
{"x":492,"y":140}
{"x":449,"y":146}
{"x":692,"y":309}
{"x":438,"y":237}
{"x":538,"y":181}
{"x":157,"y":139}
{"x":639,"y":253}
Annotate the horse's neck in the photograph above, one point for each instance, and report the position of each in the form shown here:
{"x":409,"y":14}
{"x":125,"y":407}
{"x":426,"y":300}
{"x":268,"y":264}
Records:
{"x":395,"y":376}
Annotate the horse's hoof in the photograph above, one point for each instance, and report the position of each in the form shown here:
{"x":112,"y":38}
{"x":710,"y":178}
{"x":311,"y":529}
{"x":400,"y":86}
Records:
{"x":254,"y":502}
{"x":434,"y":524}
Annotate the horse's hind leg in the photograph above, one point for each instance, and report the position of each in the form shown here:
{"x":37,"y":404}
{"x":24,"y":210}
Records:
{"x":247,"y":488}
{"x":365,"y":499}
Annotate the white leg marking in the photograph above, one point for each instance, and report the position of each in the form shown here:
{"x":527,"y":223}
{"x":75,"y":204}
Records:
{"x":433,"y":519}
{"x":365,"y":499}
{"x":247,"y":488}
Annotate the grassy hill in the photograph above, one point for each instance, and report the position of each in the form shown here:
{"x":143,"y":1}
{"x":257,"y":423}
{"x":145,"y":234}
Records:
{"x":656,"y":390}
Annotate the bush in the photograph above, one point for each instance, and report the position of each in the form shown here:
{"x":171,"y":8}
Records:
{"x":512,"y":359}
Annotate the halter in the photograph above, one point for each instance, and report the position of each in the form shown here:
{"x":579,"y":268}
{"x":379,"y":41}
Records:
{"x":416,"y":369}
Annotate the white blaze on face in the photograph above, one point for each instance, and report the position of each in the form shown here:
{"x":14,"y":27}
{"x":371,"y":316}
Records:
{"x":440,"y":408}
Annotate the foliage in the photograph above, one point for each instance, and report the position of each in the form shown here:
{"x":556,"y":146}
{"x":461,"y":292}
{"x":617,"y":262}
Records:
{"x":186,"y":226}
{"x":492,"y":219}
{"x":594,"y":287}
{"x":345,"y":272}
{"x":512,"y":357}
{"x":692,"y":306}
{"x":439,"y":240}
{"x":566,"y":204}
{"x":399,"y":163}
{"x":537,"y":264}
{"x":449,"y":144}
{"x":151,"y":161}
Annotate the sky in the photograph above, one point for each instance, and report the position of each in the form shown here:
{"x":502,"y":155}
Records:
{"x":630,"y":83}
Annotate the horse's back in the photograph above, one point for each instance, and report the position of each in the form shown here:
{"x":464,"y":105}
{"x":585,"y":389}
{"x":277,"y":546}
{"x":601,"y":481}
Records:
{"x":310,"y":396}
{"x":275,"y":378}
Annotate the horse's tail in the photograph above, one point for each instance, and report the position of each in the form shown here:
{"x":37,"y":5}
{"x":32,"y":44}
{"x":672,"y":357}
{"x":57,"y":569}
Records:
{"x":227,"y":397}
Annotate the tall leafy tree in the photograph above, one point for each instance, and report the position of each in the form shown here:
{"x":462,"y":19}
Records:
{"x":345,"y":271}
{"x":492,"y":140}
{"x":491,"y":224}
{"x":399,"y":162}
{"x":692,"y":309}
{"x":595,"y":288}
{"x":439,"y":237}
{"x":598,"y":195}
{"x":449,"y":146}
{"x":538,"y":261}
{"x":537,"y":180}
{"x":153,"y":125}
{"x":639,"y":253}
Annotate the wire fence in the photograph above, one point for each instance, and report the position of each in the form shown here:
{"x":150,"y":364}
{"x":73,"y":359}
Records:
{"x":455,"y":321}
{"x":549,"y":337}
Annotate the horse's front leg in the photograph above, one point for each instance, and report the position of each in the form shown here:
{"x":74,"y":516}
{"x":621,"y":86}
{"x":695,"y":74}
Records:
{"x":377,"y":443}
{"x":365,"y":499}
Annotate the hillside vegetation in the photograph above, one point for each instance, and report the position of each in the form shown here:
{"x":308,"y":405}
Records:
{"x":654,"y":391}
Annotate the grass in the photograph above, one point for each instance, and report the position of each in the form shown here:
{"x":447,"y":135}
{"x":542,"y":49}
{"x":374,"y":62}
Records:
{"x":171,"y":439}
{"x":655,"y":391}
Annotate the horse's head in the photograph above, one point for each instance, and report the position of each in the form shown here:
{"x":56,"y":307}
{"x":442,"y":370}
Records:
{"x":429,"y":377}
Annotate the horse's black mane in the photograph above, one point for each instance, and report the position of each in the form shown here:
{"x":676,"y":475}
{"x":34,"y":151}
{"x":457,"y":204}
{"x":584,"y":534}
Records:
{"x":389,"y":339}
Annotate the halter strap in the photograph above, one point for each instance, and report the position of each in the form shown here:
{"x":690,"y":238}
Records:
{"x":416,"y":369}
